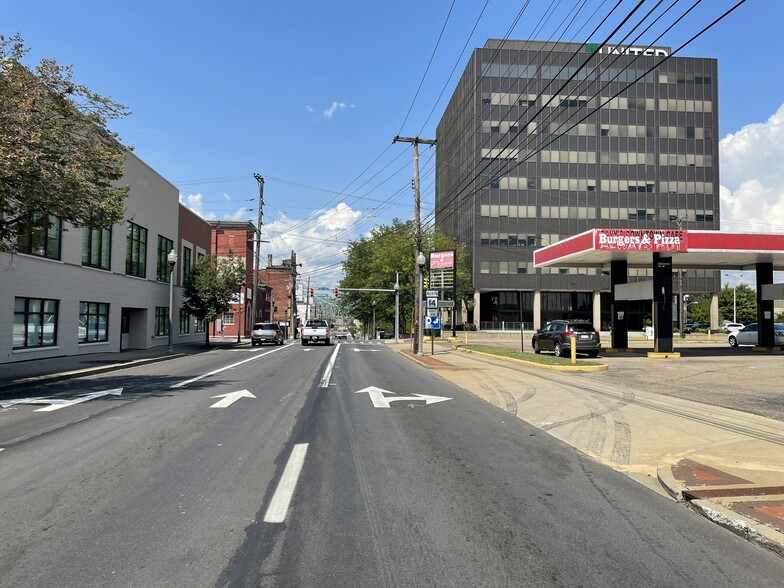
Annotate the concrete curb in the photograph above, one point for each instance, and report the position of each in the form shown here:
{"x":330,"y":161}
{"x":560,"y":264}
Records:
{"x":749,"y":529}
{"x":86,"y":371}
{"x":557,"y":368}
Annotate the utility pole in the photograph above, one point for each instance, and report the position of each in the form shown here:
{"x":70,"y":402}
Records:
{"x":260,"y":180}
{"x":418,"y":237}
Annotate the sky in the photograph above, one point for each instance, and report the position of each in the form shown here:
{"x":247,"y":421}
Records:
{"x":309,"y":95}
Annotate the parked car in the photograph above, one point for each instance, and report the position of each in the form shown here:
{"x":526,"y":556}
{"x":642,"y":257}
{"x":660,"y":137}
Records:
{"x":266,"y":333}
{"x":730,"y":327}
{"x":691,"y":327}
{"x":557,"y":335}
{"x":748,"y":335}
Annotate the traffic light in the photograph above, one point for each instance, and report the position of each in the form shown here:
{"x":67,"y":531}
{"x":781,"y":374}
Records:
{"x":312,"y":291}
{"x":336,"y":291}
{"x":426,"y":279}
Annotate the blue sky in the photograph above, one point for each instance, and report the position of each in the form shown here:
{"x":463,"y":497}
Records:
{"x":310,"y":95}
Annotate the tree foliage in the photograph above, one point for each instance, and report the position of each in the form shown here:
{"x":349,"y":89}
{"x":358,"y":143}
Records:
{"x":373,"y":261}
{"x":57,"y":156}
{"x":745,"y":303}
{"x":211,"y":286}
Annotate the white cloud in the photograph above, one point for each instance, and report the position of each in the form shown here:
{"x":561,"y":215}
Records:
{"x":195,"y":203}
{"x":226,"y":197}
{"x":752,"y":177}
{"x":309,"y":108}
{"x":333,"y":108}
{"x":319,"y":244}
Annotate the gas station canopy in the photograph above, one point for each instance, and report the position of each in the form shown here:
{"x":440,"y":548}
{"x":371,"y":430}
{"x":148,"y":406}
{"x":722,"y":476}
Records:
{"x":688,"y":249}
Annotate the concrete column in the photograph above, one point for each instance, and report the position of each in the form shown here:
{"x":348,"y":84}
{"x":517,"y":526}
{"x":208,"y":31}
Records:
{"x":765,"y":320}
{"x":537,"y":309}
{"x":662,"y":303}
{"x":714,"y":311}
{"x":618,"y":318}
{"x":597,"y":310}
{"x":476,"y":309}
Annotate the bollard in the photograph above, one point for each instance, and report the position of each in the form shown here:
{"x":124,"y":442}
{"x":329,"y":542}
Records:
{"x":574,"y":349}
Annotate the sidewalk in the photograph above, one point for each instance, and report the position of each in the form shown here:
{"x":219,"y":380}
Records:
{"x":725,"y":464}
{"x":14,"y":377}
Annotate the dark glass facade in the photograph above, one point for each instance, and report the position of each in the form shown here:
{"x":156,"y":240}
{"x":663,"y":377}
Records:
{"x":541,"y":141}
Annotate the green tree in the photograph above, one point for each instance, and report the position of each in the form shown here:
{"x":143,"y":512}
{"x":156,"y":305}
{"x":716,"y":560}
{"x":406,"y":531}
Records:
{"x":211,"y":286}
{"x":373,"y":261}
{"x":57,"y":156}
{"x":745,"y":302}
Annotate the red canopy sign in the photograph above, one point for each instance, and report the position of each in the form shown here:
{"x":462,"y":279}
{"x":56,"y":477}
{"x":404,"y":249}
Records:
{"x":640,"y":240}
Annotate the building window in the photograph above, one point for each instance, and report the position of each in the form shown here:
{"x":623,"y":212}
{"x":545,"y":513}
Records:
{"x":185,"y":321}
{"x":93,"y":322}
{"x":186,"y":263}
{"x":228,"y":318}
{"x":35,"y":323}
{"x":162,"y":267}
{"x":136,"y":251}
{"x":161,"y":321}
{"x":201,"y":325}
{"x":97,"y":248}
{"x":41,"y":241}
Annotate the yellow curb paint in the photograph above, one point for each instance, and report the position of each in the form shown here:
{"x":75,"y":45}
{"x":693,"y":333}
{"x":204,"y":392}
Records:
{"x":664,"y":355}
{"x":557,"y":368}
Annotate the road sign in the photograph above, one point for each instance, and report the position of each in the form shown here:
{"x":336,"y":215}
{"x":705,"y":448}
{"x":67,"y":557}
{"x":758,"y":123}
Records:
{"x":446,"y":304}
{"x":432,"y":303}
{"x":431,"y":294}
{"x":432,"y":322}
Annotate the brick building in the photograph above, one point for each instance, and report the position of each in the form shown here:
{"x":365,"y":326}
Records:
{"x":235,"y":237}
{"x":280,"y":288}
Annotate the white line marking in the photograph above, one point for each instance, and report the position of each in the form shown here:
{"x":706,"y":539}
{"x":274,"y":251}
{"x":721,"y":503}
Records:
{"x":328,"y":372}
{"x":279,"y":506}
{"x":228,"y":367}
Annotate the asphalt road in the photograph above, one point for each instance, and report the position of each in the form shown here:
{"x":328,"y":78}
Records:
{"x":153,"y":487}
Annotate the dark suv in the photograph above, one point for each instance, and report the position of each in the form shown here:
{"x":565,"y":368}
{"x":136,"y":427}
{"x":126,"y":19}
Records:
{"x":266,"y":333}
{"x":556,"y":336}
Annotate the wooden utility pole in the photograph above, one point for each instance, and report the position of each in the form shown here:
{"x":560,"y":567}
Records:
{"x":418,"y":236}
{"x":257,"y":244}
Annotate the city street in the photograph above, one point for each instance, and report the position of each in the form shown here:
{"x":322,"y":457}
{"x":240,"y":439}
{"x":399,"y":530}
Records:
{"x":325,"y":466}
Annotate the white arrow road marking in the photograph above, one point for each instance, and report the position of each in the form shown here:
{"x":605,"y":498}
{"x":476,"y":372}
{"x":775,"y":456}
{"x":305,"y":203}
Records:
{"x":373,"y":350}
{"x":279,"y":506}
{"x":58,"y":403}
{"x":381,"y":401}
{"x":230,"y":398}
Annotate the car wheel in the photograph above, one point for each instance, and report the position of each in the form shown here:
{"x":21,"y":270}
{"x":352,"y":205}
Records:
{"x":733,"y":341}
{"x":326,"y":342}
{"x":558,"y":349}
{"x":304,"y":342}
{"x":535,"y":343}
{"x":593,"y":354}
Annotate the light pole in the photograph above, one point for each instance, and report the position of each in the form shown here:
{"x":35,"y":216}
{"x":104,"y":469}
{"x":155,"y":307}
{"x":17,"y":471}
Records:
{"x":397,"y":306}
{"x":172,"y":257}
{"x":420,"y":260}
{"x":374,"y":319}
{"x":734,"y":299}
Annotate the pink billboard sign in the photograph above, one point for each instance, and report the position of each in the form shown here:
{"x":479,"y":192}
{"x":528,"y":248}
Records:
{"x":442,"y":259}
{"x":640,"y":240}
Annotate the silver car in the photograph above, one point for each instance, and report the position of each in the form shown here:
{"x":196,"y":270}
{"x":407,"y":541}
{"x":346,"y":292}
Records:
{"x":748,"y":335}
{"x":266,"y":333}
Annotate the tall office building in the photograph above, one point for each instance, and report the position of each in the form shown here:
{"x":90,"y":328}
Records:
{"x":542,"y":140}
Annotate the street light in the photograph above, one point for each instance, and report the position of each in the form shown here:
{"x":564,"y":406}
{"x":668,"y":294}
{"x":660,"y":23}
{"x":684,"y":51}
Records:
{"x":374,"y":319}
{"x":172,"y":257}
{"x":734,"y":299}
{"x":397,"y":306}
{"x":420,"y":261}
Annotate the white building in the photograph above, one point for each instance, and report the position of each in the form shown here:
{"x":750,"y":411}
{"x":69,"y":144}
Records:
{"x":75,"y":291}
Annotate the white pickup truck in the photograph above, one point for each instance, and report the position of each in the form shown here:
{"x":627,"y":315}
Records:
{"x":315,"y":330}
